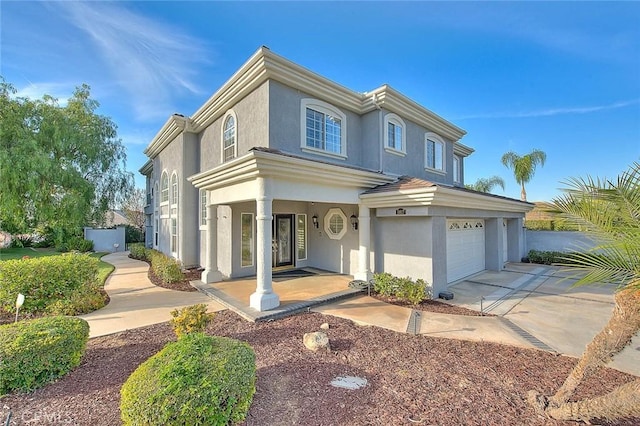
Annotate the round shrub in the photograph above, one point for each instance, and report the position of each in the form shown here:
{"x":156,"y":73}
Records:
{"x":199,"y":379}
{"x":35,"y":352}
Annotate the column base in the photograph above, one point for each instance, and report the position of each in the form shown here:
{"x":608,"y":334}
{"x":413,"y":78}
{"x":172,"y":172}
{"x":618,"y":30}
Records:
{"x":363,"y":276}
{"x":264,"y":301}
{"x":209,"y":276}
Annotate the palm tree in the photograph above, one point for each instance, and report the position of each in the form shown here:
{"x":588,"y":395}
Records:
{"x":610,"y":212}
{"x":487,"y":184}
{"x":524,"y":167}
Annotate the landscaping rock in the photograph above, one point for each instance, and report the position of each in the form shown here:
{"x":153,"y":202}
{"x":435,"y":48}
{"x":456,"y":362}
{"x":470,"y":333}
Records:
{"x":324,"y":326}
{"x":316,"y":341}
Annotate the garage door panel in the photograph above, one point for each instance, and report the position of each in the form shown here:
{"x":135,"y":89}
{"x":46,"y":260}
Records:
{"x":465,"y":248}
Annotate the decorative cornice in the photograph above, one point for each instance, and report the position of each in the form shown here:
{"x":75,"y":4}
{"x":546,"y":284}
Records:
{"x":444,"y":197}
{"x":264,"y":65}
{"x":147,"y":168}
{"x":174,"y":126}
{"x":270,"y":164}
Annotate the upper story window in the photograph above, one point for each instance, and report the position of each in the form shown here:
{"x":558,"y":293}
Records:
{"x":456,"y":169}
{"x":164,"y":187}
{"x":323,"y":128}
{"x":434,"y":152}
{"x":156,"y":196}
{"x":174,"y":189}
{"x":395,"y":134}
{"x":229,"y":136}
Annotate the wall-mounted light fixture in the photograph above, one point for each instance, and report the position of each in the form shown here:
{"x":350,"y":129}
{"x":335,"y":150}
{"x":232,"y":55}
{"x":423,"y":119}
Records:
{"x":354,"y":222}
{"x":314,"y":219}
{"x":401,"y":211}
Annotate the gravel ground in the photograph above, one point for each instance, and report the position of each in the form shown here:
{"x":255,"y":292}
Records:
{"x":411,"y":379}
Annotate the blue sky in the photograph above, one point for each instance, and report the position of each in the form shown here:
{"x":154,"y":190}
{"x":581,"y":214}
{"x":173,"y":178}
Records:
{"x":563,"y":77}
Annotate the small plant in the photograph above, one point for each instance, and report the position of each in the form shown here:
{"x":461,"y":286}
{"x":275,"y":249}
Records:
{"x":138,"y":251}
{"x":36,"y":352}
{"x":384,"y":284}
{"x":165,"y":268}
{"x":412,"y":292}
{"x":191,"y":319}
{"x":198,"y":380}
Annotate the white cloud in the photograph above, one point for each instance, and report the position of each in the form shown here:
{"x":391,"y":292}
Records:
{"x":152,"y":61}
{"x":60,"y":91}
{"x":552,"y":111}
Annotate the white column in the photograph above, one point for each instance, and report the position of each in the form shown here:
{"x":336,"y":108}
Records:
{"x":264,"y":298}
{"x":211,"y":273}
{"x":364,"y":239}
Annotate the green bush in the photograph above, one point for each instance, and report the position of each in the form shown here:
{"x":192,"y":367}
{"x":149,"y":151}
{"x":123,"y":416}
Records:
{"x":546,"y":257}
{"x":44,"y":280}
{"x":198,"y":380}
{"x":133,"y":234}
{"x":35,"y":352}
{"x":539,"y":225}
{"x":79,"y":244}
{"x":384,"y":284}
{"x":402,"y":288}
{"x":412,"y":292}
{"x":191,"y":319}
{"x":165,"y":268}
{"x":138,"y":251}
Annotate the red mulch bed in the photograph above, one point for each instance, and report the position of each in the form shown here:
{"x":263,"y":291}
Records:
{"x":411,"y":379}
{"x":431,"y":306}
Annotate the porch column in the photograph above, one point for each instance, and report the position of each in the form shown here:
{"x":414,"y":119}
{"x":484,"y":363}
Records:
{"x":211,"y":274}
{"x":364,"y":239}
{"x":264,"y":298}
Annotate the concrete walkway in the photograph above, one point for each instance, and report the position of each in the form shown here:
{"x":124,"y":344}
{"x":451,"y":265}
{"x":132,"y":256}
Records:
{"x":135,"y":301}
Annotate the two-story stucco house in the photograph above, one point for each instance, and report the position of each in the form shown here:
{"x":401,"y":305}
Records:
{"x":282,"y":167}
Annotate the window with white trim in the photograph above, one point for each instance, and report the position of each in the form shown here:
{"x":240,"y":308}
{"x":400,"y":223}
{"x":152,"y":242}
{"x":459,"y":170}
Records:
{"x":174,"y":235}
{"x":301,"y":230}
{"x":203,"y":207}
{"x":156,"y":195}
{"x":395,"y":134}
{"x":323,"y":128}
{"x":434,"y":152}
{"x":246,"y":220}
{"x":174,"y":189}
{"x":164,"y":187}
{"x":335,"y":224}
{"x":229,"y":136}
{"x":456,"y":169}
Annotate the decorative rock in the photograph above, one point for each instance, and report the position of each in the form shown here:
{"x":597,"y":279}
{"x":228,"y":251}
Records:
{"x":316,"y":341}
{"x":349,"y":382}
{"x":325,"y":326}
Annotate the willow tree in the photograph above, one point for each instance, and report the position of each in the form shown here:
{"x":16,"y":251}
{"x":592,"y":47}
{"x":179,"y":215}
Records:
{"x":61,"y":166}
{"x":524,"y":167}
{"x":610,"y":212}
{"x":487,"y":184}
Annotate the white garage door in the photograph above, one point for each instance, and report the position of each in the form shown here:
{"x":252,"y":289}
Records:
{"x":465,"y":248}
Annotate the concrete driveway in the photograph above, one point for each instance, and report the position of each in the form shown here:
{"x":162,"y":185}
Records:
{"x":540,"y":300}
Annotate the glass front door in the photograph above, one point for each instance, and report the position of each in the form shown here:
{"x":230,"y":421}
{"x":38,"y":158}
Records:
{"x":283,"y":240}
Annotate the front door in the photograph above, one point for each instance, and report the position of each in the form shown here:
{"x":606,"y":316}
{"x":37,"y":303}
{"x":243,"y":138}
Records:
{"x":283,"y":240}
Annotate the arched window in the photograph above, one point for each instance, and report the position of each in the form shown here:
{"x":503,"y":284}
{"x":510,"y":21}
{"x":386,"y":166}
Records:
{"x":156,"y":195}
{"x":164,"y":186}
{"x":174,"y":189}
{"x":229,"y":136}
{"x":394,"y":136}
{"x":434,"y":152}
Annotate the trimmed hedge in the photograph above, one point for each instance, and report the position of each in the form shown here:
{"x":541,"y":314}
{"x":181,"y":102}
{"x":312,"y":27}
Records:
{"x":402,"y":288}
{"x":35,"y":352}
{"x":550,"y":225}
{"x":46,"y":280}
{"x":197,"y":380}
{"x":166,"y":268}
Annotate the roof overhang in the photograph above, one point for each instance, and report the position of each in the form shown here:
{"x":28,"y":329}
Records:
{"x":443,"y":196}
{"x":147,"y":168}
{"x":275,"y":165}
{"x":174,"y":126}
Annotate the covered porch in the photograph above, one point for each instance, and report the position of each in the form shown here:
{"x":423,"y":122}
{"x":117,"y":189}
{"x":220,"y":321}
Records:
{"x":267,"y":210}
{"x":296,"y":292}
